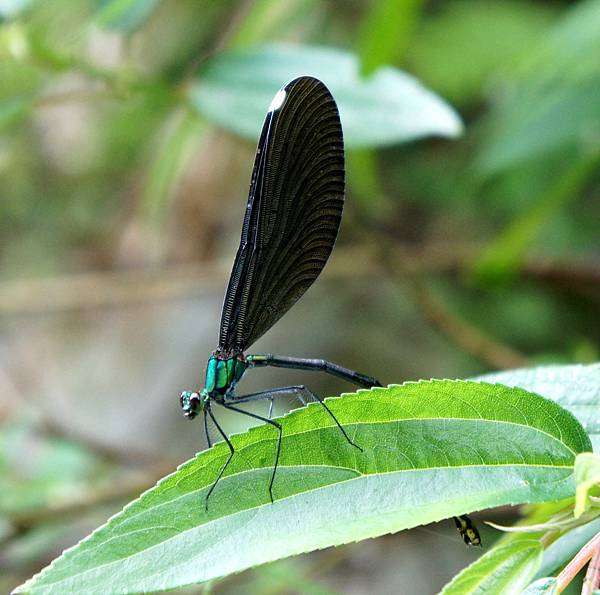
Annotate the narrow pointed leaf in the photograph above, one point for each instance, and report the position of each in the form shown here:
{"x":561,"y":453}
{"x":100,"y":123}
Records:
{"x":386,"y":31}
{"x":503,"y":570}
{"x":124,"y":15}
{"x":553,"y":103}
{"x":430,"y":450}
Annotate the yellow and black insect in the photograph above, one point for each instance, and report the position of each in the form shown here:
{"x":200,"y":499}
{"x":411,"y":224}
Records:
{"x":467,"y":529}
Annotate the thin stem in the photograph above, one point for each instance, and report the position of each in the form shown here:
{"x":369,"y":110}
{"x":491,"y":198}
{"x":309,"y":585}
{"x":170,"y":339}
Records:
{"x":121,"y":288}
{"x":592,"y":577}
{"x":469,"y":338}
{"x":585,"y":554}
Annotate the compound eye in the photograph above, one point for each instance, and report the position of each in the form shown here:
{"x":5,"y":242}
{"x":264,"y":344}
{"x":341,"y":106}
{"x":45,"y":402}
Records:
{"x":185,"y":397}
{"x":188,"y":399}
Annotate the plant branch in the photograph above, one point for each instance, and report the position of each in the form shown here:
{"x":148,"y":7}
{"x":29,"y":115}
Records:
{"x":469,"y":338}
{"x":462,"y":333}
{"x":585,"y":554}
{"x":121,"y":288}
{"x":591,"y":582}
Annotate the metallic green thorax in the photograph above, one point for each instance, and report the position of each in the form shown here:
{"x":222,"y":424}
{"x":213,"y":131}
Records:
{"x":222,"y":374}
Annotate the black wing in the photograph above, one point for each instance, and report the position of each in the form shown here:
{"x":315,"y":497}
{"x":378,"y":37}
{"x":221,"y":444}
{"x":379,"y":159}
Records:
{"x":293,"y":212}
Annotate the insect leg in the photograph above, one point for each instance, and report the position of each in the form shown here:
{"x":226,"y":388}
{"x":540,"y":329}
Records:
{"x":339,"y":425}
{"x":269,"y":421}
{"x":297,"y":390}
{"x":208,"y":440}
{"x":231,"y":452}
{"x":271,"y":407}
{"x":270,"y":394}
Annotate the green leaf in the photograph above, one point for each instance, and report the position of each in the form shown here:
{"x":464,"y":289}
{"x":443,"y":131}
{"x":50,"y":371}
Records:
{"x":502,"y":30}
{"x":168,"y":162}
{"x":271,"y":18}
{"x":587,"y":478}
{"x":554,"y":104}
{"x":503,"y":256}
{"x":235,"y":90}
{"x":539,"y":515}
{"x":503,"y":570}
{"x":543,"y":586}
{"x":36,"y":472}
{"x":429,"y":450}
{"x":364,"y":181}
{"x":285,"y":576}
{"x":566,"y":117}
{"x":574,"y":387}
{"x":125,"y":15}
{"x":12,"y":8}
{"x":386,"y":31}
{"x":13,"y":110}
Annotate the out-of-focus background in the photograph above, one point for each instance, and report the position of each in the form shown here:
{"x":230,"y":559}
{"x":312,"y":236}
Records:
{"x":122,"y":190}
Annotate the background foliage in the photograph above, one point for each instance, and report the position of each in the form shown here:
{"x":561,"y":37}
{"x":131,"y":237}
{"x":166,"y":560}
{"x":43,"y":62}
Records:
{"x":122,"y":196}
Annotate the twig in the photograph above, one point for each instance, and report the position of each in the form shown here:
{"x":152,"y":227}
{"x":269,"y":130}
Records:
{"x":104,"y":289}
{"x":459,"y":331}
{"x":592,"y":577}
{"x":121,"y":288}
{"x":73,"y":95}
{"x":462,"y":333}
{"x":585,"y":554}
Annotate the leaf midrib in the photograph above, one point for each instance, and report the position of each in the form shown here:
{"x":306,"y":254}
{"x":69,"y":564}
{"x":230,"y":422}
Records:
{"x":245,"y":511}
{"x":341,"y":467}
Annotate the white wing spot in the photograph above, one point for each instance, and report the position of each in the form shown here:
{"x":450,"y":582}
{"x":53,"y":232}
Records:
{"x":277,"y":101}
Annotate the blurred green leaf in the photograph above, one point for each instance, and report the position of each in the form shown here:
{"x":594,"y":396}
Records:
{"x":170,"y":160}
{"x":543,"y":586}
{"x":385,"y":32}
{"x":570,"y":49}
{"x":555,"y":101}
{"x":501,"y":259}
{"x":270,"y":18}
{"x":587,"y":479}
{"x":463,"y":46}
{"x":505,"y":569}
{"x":363,"y":178}
{"x":531,"y":126}
{"x":286,"y":576}
{"x":14,"y":110}
{"x":124,"y":15}
{"x":34,"y":544}
{"x":539,"y":514}
{"x":430,"y":450}
{"x":36,"y":471}
{"x":235,"y":90}
{"x":11,"y":8}
{"x":574,"y":387}
{"x":6,"y":529}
